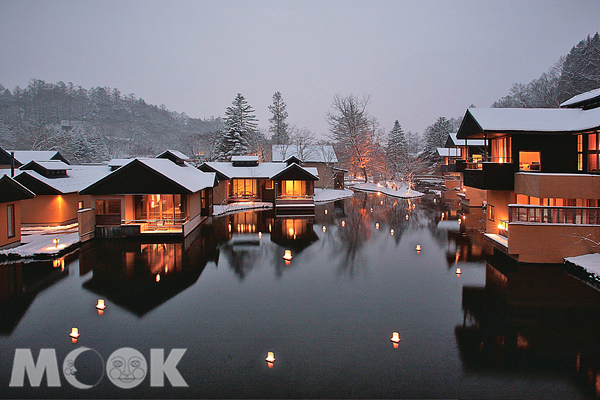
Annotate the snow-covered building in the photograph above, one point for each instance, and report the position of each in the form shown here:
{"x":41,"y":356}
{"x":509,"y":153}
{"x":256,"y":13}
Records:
{"x":11,"y":195}
{"x":541,"y":174}
{"x":287,"y":185}
{"x":144,"y":196}
{"x":56,"y":186}
{"x":321,"y":157}
{"x":22,"y":157}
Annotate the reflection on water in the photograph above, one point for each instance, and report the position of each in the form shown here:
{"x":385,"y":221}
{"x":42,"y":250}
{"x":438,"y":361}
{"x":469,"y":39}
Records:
{"x":363,"y":270}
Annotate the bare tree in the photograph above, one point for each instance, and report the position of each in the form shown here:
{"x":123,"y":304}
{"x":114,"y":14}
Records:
{"x":353,"y":130}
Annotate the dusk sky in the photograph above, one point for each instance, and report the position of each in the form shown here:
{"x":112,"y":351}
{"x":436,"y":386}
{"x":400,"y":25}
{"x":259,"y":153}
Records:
{"x":418,"y":60}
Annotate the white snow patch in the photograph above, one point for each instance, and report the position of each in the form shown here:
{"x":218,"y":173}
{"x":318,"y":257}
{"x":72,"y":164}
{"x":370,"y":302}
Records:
{"x":39,"y":240}
{"x":236,"y":207}
{"x":401,"y":191}
{"x":326,"y":195}
{"x":589,"y":262}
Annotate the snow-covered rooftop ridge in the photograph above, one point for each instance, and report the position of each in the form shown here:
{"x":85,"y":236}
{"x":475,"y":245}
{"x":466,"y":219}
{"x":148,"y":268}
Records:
{"x":448,"y":152}
{"x":244,"y":158}
{"x":263,"y":170}
{"x":581,"y":97}
{"x":536,"y":119}
{"x":464,"y":142}
{"x":78,"y":177}
{"x":310,"y":153}
{"x":176,"y":153}
{"x":25,"y":156}
{"x":589,"y":262}
{"x":51,"y":165}
{"x":185,"y":175}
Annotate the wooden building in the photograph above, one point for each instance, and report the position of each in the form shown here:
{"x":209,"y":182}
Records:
{"x":11,"y":195}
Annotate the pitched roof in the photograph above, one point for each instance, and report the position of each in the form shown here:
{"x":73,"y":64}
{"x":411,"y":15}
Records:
{"x":25,"y":156}
{"x":297,"y":172}
{"x":551,"y":120}
{"x":312,"y":153}
{"x":152,"y":176}
{"x":226,"y":170}
{"x":174,"y":153}
{"x":582,"y":98}
{"x":462,"y":142}
{"x":77,"y":178}
{"x":11,"y":190}
{"x":449,"y":152}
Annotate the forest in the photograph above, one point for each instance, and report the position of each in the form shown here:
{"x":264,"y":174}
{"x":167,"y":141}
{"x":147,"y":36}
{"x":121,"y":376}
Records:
{"x":96,"y":124}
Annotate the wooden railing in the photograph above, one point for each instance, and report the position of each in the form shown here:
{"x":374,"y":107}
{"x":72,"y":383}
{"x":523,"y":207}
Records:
{"x":554,"y":214}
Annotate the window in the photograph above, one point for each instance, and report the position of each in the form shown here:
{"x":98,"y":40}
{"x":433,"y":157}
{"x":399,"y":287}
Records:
{"x":593,"y":152}
{"x":244,"y":188}
{"x":501,"y":150}
{"x":293,"y":188}
{"x":579,"y":152}
{"x":80,"y":205}
{"x":10,"y":220}
{"x":529,"y":160}
{"x":491,"y":212}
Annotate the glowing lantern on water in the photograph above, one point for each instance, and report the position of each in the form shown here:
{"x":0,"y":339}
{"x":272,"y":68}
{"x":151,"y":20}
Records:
{"x":458,"y":272}
{"x":418,"y":248}
{"x":259,"y":235}
{"x":55,"y":241}
{"x":377,"y":225}
{"x":325,"y":212}
{"x":407,"y":217}
{"x":392,"y":232}
{"x":287,"y":256}
{"x":343,"y":223}
{"x":395,"y":339}
{"x":157,"y":277}
{"x":74,"y":334}
{"x":100,"y":306}
{"x":324,"y":229}
{"x":270,"y":359}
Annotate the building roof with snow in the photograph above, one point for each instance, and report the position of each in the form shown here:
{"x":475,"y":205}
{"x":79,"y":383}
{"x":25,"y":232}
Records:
{"x":11,"y":190}
{"x":77,"y":177}
{"x":308,"y":154}
{"x":174,"y":155}
{"x":229,"y":170}
{"x":454,"y":141}
{"x":585,"y":100}
{"x":449,"y":152}
{"x":152,"y":176}
{"x":499,"y":121}
{"x":25,"y":156}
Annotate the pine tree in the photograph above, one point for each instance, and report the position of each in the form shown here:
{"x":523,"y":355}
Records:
{"x":436,"y":136}
{"x":279,"y":128}
{"x":240,"y":127}
{"x":397,"y":149}
{"x":581,"y":70}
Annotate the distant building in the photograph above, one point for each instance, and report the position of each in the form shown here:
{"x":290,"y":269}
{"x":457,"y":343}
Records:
{"x":323,"y":158}
{"x":11,"y":195}
{"x":22,"y":157}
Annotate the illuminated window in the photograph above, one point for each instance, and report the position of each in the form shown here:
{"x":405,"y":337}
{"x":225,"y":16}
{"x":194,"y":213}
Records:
{"x":491,"y":212}
{"x":293,"y":188}
{"x":80,"y":205}
{"x":10,"y":220}
{"x":593,"y":152}
{"x":501,"y":150}
{"x":529,"y":160}
{"x":244,"y":188}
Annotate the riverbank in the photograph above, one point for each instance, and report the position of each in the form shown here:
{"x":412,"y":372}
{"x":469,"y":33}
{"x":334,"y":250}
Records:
{"x":40,"y":242}
{"x":402,"y":191}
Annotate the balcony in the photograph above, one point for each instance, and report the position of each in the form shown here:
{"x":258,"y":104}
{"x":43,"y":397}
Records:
{"x":554,"y":215}
{"x":492,"y":174}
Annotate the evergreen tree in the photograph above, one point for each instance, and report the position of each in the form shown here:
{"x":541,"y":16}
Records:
{"x":279,"y":128}
{"x":436,"y":136}
{"x":240,"y":129}
{"x":581,"y":70}
{"x":397,"y":150}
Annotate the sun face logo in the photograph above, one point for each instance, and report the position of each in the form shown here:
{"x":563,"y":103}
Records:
{"x":126,"y":368}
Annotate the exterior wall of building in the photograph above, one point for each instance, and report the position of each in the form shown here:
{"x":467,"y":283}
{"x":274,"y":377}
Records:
{"x":4,"y":239}
{"x":192,"y":206}
{"x":52,"y":209}
{"x":475,"y":196}
{"x":565,"y":186}
{"x":325,"y":174}
{"x":220,"y":192}
{"x":499,"y":200}
{"x":547,"y":243}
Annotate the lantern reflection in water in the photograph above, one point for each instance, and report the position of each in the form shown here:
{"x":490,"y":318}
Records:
{"x":270,"y":359}
{"x":74,"y":334}
{"x":395,"y":339}
{"x":100,"y":306}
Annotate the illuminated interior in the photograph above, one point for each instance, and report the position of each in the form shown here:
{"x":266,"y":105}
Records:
{"x":293,"y":189}
{"x":501,"y":150}
{"x":160,"y":211}
{"x":529,"y":160}
{"x":244,"y":188}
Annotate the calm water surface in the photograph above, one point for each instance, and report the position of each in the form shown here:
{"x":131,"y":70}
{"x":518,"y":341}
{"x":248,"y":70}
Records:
{"x":226,"y":295}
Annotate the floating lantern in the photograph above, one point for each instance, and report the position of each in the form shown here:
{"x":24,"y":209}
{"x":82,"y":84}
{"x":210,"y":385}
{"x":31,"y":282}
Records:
{"x":395,"y":339}
{"x":74,"y":334}
{"x":458,"y":272}
{"x":376,"y":225}
{"x":418,"y":248}
{"x":324,"y":229}
{"x":287,"y":256}
{"x":343,"y":223}
{"x":392,"y":232}
{"x":157,"y":277}
{"x":381,"y":202}
{"x":259,"y":235}
{"x":406,"y":217}
{"x":55,"y":241}
{"x":270,"y":359}
{"x":100,"y":306}
{"x":325,"y":211}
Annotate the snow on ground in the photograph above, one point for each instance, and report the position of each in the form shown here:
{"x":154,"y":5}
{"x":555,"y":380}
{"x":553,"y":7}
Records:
{"x":401,"y":191}
{"x":326,"y":195}
{"x":39,"y":241}
{"x":236,"y":207}
{"x":589,"y":262}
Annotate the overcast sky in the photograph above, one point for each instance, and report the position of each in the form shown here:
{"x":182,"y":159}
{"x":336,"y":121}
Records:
{"x":418,"y":60}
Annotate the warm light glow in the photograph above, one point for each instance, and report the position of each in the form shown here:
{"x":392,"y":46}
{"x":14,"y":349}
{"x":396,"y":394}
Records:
{"x":59,"y":263}
{"x":287,"y":255}
{"x":381,"y":202}
{"x":500,"y":226}
{"x":343,"y":223}
{"x":418,"y":248}
{"x":74,"y":333}
{"x":291,"y":231}
{"x":324,"y":229}
{"x":442,"y":215}
{"x":157,"y":277}
{"x":270,"y":358}
{"x":395,"y":339}
{"x":376,"y":225}
{"x":406,"y":217}
{"x":100,"y":305}
{"x":378,"y":193}
{"x":259,"y":235}
{"x":325,"y":211}
{"x":435,"y":200}
{"x":55,"y":241}
{"x":458,"y":271}
{"x":392,"y":232}
{"x":464,"y":190}
{"x":229,"y":227}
